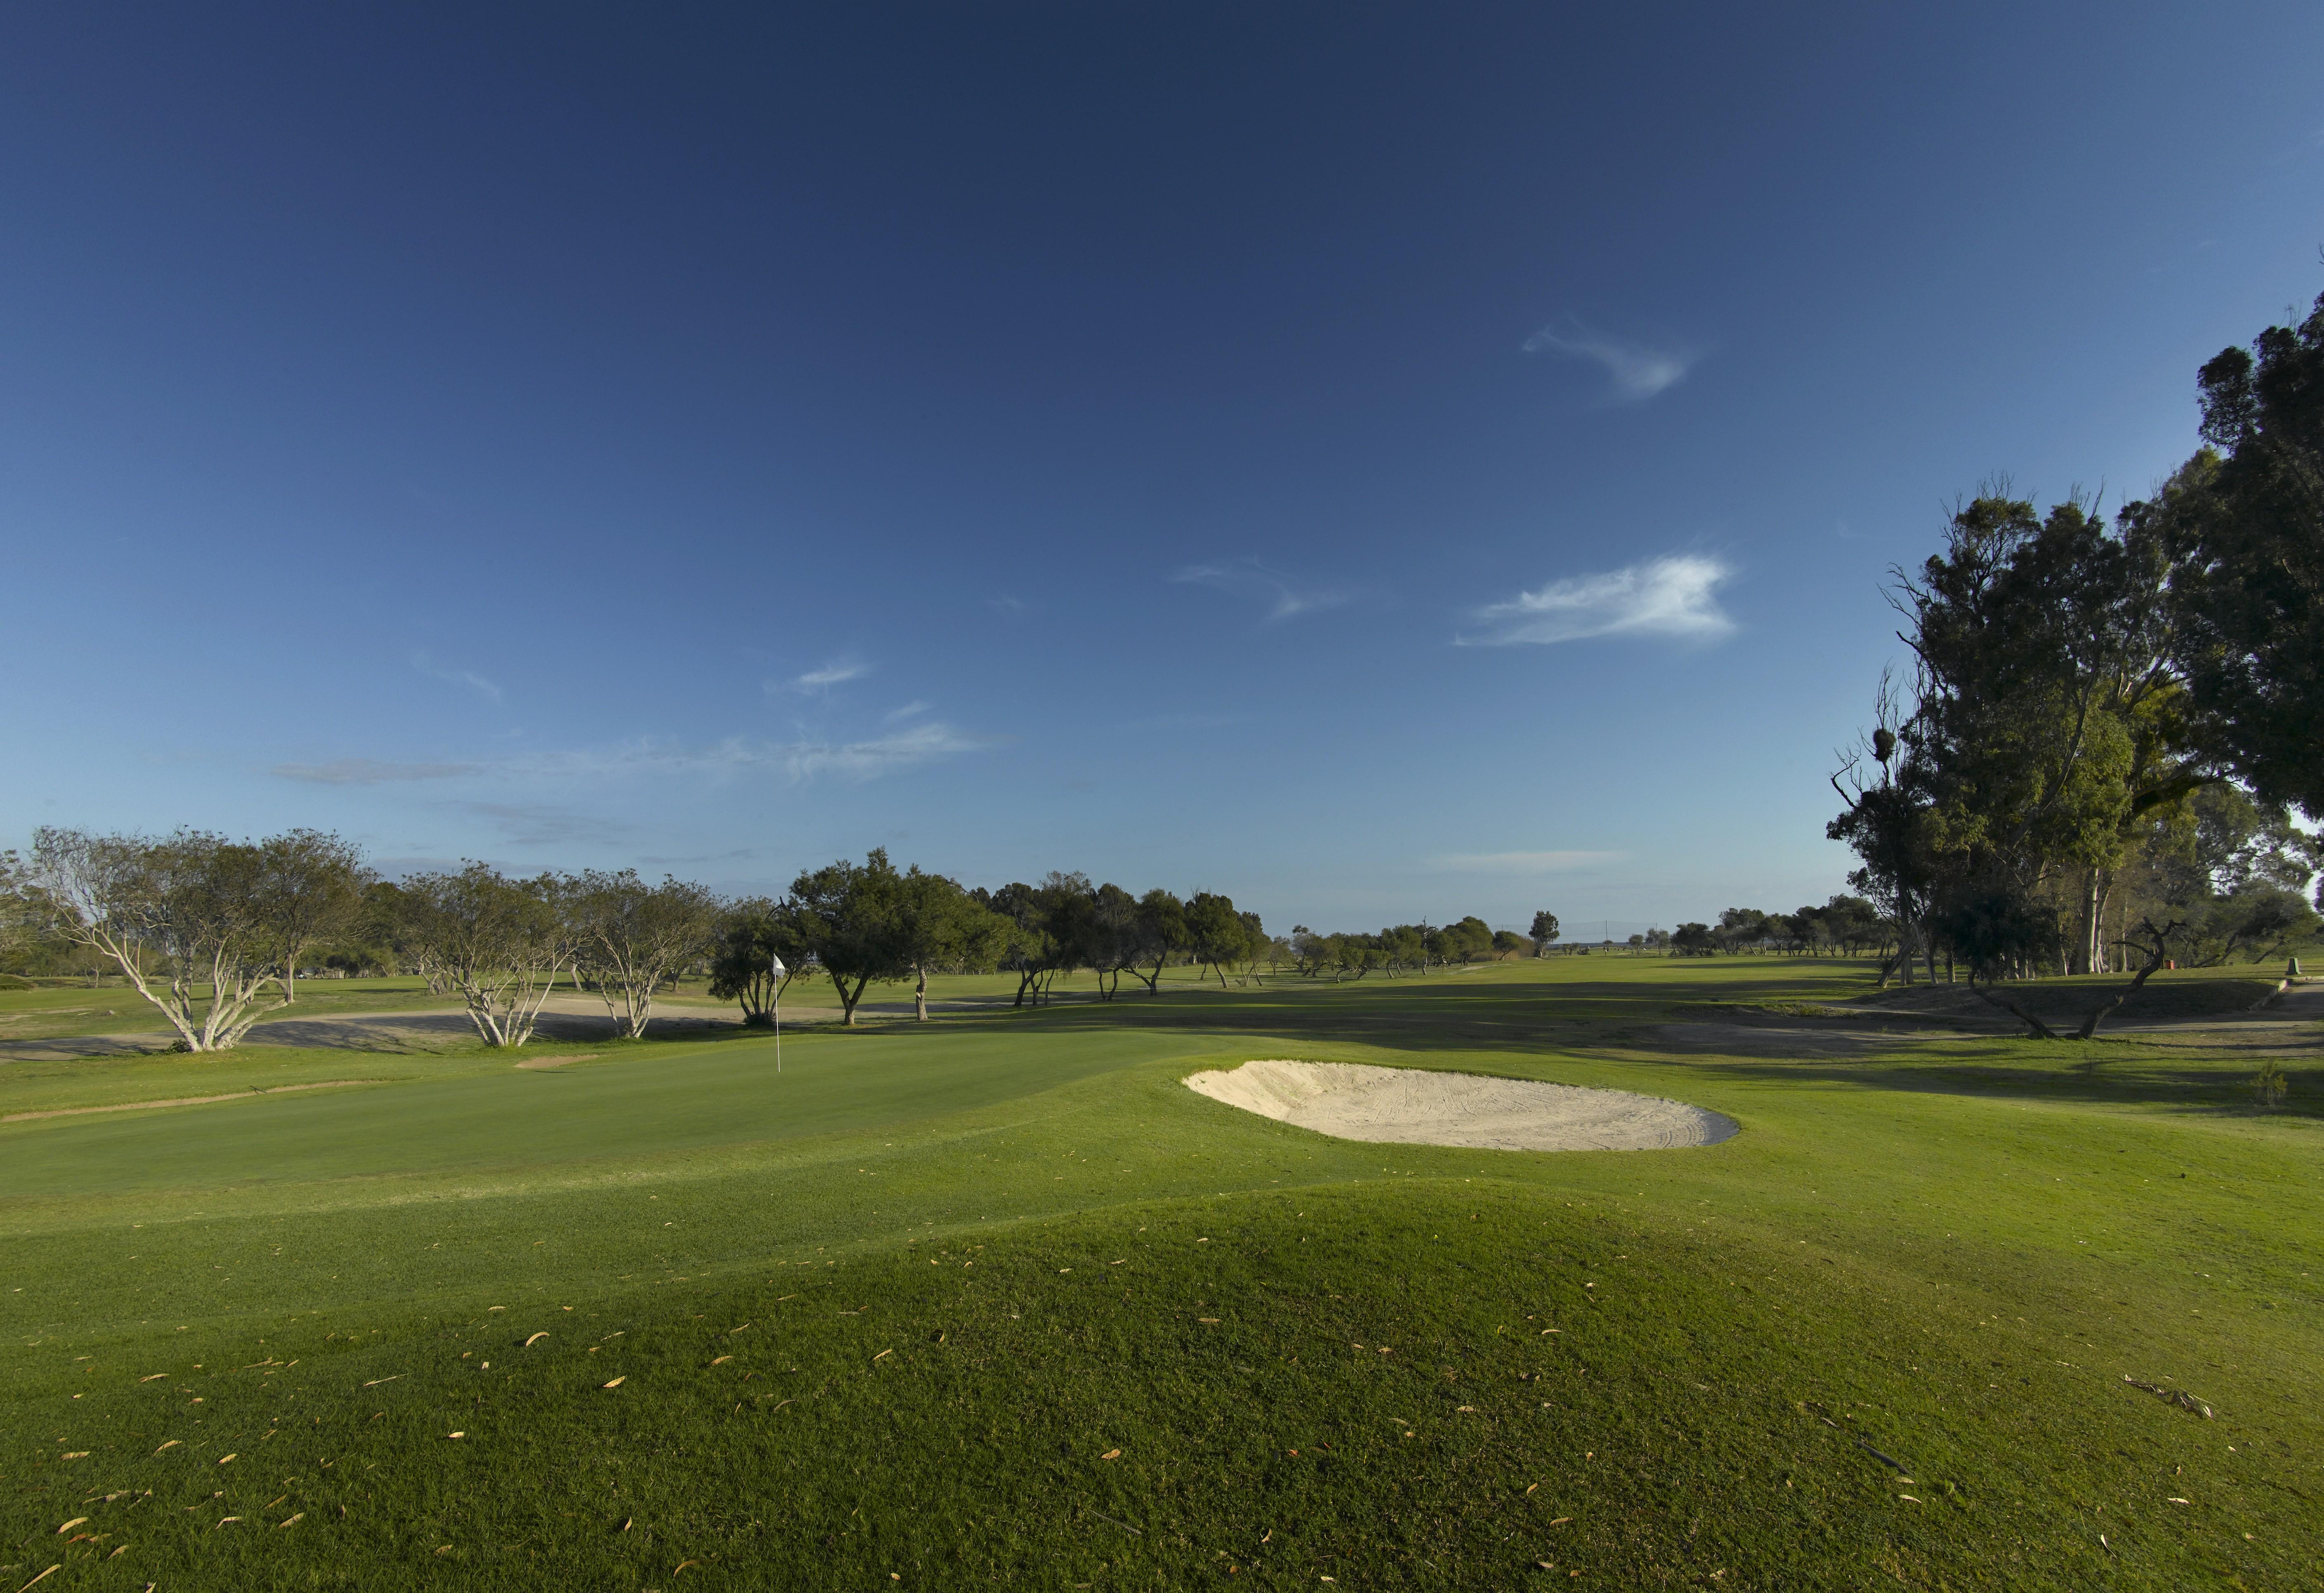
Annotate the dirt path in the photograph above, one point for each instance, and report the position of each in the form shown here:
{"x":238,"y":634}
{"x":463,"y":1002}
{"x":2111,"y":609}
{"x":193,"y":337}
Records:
{"x":186,"y":1100}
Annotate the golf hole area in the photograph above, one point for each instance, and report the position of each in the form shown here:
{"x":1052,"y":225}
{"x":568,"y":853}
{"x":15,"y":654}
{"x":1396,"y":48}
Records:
{"x":1416,"y":1106}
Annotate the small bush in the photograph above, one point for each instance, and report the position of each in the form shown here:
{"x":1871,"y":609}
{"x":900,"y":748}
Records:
{"x":2269,"y":1086}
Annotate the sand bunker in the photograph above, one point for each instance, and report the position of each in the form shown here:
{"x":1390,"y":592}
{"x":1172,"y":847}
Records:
{"x":1409,"y":1106}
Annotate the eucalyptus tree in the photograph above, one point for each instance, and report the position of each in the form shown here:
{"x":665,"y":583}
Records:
{"x":1161,"y":935}
{"x":749,"y":937}
{"x":2246,"y":526}
{"x":1544,"y":931}
{"x":852,"y":916}
{"x":1216,"y":934}
{"x":938,"y":924}
{"x":198,"y":905}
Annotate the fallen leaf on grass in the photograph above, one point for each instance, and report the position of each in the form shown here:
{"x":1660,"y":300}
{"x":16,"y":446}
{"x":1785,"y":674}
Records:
{"x":375,"y":1382}
{"x":732,"y":1332}
{"x":1211,"y":1321}
{"x":617,"y":1382}
{"x":69,"y":1526}
{"x":44,"y":1577}
{"x":883,"y":1355}
{"x":170,"y":1445}
{"x":722,"y":1360}
{"x":1561,"y":1521}
{"x":1908,"y":1496}
{"x":294,"y":1521}
{"x":683,"y":1564}
{"x":456,"y":1435}
{"x":536,"y":1338}
{"x":225,"y":1519}
{"x":224,"y":1459}
{"x":74,"y":1455}
{"x":1109,"y":1455}
{"x":2175,"y":1499}
{"x":155,"y":1377}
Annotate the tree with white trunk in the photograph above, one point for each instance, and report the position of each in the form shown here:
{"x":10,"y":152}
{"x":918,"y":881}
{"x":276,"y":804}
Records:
{"x":630,"y":936}
{"x":501,"y":943}
{"x":191,"y":920}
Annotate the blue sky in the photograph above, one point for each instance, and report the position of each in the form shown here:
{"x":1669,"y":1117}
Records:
{"x":1379,"y":461}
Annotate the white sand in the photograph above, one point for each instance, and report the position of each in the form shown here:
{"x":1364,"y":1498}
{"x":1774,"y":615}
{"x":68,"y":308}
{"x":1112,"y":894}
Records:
{"x":1409,"y":1106}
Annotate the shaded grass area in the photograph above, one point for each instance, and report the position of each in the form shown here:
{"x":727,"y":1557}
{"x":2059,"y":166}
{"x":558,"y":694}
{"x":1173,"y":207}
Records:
{"x":1952,"y":1250}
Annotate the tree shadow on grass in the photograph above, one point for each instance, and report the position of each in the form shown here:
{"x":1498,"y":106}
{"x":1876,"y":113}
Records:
{"x":1531,"y":1026}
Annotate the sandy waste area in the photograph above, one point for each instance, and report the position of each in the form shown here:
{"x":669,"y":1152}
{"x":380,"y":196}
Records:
{"x":1411,"y":1106}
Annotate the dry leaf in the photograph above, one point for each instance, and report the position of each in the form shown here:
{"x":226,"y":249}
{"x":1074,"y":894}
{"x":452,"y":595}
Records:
{"x":155,"y":1377}
{"x":224,"y":1459}
{"x":536,"y":1338}
{"x":223,"y":1520}
{"x":171,"y":1444}
{"x":617,"y":1382}
{"x":1109,"y":1455}
{"x":683,"y":1564}
{"x":69,"y":1526}
{"x":1212,"y":1321}
{"x":883,"y":1355}
{"x":294,"y":1521}
{"x":74,"y":1455}
{"x":456,"y":1435}
{"x":1531,"y":1485}
{"x":44,"y":1577}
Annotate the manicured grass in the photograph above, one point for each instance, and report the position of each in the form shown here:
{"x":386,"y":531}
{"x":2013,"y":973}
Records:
{"x":1950,"y":1248}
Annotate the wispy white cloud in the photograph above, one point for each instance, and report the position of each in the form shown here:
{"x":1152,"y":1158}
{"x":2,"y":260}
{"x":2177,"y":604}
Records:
{"x":370,"y":772}
{"x":474,"y":682}
{"x":738,"y":756}
{"x":1522,"y":862}
{"x":910,"y":710}
{"x":1249,"y":578}
{"x":883,"y":755}
{"x":1674,"y":596}
{"x":1637,"y":370}
{"x":834,"y":673}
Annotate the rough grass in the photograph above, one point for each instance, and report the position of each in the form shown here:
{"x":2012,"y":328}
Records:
{"x":1949,"y":1254}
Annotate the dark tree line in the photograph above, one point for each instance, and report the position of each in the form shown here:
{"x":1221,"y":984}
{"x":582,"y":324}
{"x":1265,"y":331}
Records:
{"x":2104,"y":726}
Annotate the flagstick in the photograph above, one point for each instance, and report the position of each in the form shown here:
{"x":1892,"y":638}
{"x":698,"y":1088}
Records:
{"x":776,"y":971}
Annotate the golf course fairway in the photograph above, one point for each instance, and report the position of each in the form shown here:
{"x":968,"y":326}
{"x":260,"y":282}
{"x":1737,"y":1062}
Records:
{"x":996,"y":1301}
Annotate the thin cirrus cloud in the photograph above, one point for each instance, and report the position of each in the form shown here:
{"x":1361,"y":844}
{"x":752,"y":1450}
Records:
{"x":1674,"y":597}
{"x":1638,"y":371}
{"x":370,"y":772}
{"x":1523,"y":862}
{"x":865,"y":759}
{"x":474,"y":682}
{"x":882,"y":755}
{"x":1249,"y":580}
{"x":836,"y":672}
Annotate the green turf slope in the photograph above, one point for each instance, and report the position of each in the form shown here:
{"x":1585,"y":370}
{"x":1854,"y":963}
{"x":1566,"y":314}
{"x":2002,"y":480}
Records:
{"x":1000,"y":1304}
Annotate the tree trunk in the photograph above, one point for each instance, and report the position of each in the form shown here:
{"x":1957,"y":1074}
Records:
{"x":920,"y":996}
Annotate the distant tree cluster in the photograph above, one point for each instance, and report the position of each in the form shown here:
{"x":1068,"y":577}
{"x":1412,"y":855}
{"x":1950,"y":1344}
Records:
{"x":1400,"y":948}
{"x":1846,"y":926}
{"x":215,"y":933}
{"x":2105,"y":728}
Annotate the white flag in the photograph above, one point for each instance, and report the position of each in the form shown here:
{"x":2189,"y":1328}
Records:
{"x":779,"y":970}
